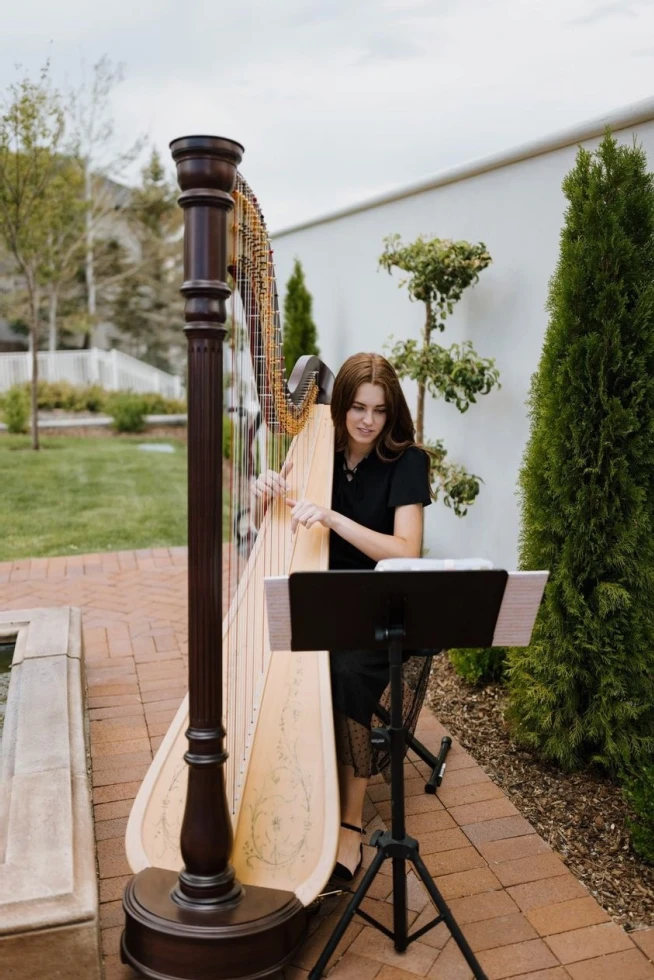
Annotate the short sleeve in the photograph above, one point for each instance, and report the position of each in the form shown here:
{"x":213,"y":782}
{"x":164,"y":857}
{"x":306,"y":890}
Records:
{"x":410,"y":479}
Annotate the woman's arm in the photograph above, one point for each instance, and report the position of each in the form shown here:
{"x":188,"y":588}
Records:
{"x":404,"y":542}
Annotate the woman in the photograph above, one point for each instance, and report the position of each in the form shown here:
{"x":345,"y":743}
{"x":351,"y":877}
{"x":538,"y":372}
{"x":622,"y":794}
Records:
{"x":381,"y":484}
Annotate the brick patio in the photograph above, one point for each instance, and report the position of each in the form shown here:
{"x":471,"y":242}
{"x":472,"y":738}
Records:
{"x":523,"y":913}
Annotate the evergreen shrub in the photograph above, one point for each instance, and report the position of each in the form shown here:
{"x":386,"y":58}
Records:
{"x":299,"y":333}
{"x":583,"y":691}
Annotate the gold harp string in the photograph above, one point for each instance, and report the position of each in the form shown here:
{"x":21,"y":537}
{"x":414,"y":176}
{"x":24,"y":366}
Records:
{"x":258,"y":364}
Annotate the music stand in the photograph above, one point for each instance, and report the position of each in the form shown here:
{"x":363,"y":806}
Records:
{"x":396,"y":611}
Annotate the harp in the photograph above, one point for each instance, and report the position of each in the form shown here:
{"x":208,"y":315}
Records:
{"x":276,"y":791}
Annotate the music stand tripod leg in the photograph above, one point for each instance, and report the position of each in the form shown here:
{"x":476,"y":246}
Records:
{"x":347,"y":917}
{"x":395,"y":844}
{"x":447,"y":917}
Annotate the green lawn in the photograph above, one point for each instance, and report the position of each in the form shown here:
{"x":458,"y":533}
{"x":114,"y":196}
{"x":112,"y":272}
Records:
{"x":81,"y":495}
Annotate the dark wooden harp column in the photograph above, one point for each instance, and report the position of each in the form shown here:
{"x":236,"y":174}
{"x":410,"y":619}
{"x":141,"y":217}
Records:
{"x":201,"y":924}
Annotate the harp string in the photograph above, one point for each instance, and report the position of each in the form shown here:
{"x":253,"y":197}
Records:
{"x":263,"y":420}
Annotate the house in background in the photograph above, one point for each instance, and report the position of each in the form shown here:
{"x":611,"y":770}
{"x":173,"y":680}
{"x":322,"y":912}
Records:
{"x":10,"y":340}
{"x":113,"y":226}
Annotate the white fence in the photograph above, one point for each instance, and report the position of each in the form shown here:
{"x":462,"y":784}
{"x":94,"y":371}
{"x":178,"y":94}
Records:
{"x":111,"y":369}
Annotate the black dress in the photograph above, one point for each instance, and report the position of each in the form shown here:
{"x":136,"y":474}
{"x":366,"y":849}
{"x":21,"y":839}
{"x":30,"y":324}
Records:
{"x":359,"y":679}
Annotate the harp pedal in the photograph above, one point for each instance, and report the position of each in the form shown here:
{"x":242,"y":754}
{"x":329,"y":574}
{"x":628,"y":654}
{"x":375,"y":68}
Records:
{"x":317,"y":902}
{"x":314,"y":907}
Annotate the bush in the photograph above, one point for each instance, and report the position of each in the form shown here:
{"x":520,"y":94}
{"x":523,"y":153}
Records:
{"x":62,"y":395}
{"x":153,"y":403}
{"x":639,"y":793}
{"x":482,"y":666}
{"x":583,"y":691}
{"x":53,"y":395}
{"x":128,"y":412}
{"x":94,"y":398}
{"x":16,"y":409}
{"x":227,"y":436}
{"x":156,"y":404}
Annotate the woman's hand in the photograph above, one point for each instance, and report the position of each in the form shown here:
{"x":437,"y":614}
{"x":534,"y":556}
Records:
{"x":270,"y":484}
{"x":308,"y":514}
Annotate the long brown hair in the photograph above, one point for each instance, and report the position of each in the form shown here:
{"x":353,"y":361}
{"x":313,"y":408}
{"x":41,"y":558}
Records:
{"x":399,"y":432}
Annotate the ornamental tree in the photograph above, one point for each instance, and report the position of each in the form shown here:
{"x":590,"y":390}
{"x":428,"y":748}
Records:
{"x":583,"y":691}
{"x":31,"y":135}
{"x":437,"y":272}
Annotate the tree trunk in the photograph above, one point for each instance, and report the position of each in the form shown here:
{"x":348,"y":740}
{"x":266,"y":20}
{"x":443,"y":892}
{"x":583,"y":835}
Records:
{"x":89,"y":266}
{"x":420,"y":412}
{"x":52,"y":319}
{"x":34,"y":336}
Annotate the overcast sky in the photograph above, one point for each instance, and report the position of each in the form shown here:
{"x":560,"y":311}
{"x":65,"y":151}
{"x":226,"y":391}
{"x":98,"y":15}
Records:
{"x":338,"y":100}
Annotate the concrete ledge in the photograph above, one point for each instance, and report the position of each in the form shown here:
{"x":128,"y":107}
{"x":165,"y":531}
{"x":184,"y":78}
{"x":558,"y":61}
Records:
{"x":48,"y":885}
{"x":100,"y":421}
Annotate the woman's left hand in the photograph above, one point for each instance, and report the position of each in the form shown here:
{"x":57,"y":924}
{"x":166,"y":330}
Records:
{"x":308,"y":514}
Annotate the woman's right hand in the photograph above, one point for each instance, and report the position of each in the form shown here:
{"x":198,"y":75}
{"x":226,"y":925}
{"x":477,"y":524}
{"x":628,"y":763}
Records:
{"x":271,"y":484}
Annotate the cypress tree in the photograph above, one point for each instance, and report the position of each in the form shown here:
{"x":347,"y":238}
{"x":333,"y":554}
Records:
{"x":584,"y":690}
{"x":300,"y":335}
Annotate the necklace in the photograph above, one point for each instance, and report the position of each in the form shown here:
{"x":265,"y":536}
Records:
{"x":350,"y":473}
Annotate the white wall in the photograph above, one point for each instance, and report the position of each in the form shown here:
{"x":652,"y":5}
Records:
{"x":516,"y":208}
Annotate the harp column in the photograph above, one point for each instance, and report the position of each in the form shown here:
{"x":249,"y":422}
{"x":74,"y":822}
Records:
{"x":201,"y":923}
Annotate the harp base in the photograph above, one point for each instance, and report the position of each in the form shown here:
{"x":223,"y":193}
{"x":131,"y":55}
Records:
{"x":164,"y":941}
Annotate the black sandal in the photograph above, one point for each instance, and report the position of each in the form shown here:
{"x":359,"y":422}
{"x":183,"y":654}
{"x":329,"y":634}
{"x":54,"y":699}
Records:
{"x":340,"y":871}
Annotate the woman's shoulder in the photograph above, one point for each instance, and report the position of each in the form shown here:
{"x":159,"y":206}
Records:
{"x":410,"y":479}
{"x":416,"y":452}
{"x":411,"y":456}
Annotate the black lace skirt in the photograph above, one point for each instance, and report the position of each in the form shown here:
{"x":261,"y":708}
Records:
{"x":360,"y":686}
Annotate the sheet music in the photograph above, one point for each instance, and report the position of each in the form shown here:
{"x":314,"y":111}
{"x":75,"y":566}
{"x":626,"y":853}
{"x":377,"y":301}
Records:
{"x":515,"y":622}
{"x":279,"y":612}
{"x":522,"y":598}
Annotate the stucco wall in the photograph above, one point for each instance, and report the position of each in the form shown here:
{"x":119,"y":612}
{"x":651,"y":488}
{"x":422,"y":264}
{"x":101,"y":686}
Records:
{"x":513,"y":204}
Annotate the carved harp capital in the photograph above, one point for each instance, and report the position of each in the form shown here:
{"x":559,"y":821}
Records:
{"x":206,"y":172}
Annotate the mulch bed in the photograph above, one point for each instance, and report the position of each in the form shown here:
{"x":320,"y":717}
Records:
{"x":581,"y":815}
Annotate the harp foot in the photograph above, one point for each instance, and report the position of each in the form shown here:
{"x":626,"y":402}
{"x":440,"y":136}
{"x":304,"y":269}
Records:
{"x":164,"y":941}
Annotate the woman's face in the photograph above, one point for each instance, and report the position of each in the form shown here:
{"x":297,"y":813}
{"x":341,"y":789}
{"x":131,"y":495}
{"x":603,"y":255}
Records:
{"x":366,"y":417}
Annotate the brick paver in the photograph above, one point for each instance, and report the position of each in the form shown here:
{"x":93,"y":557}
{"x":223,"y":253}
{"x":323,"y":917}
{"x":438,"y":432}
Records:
{"x":521,"y":910}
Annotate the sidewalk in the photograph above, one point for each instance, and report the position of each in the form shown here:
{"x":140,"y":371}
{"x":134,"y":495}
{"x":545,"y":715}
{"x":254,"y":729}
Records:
{"x":523,"y":913}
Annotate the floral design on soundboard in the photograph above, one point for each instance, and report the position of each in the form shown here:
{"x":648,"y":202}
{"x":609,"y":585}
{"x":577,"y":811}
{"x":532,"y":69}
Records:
{"x":169,"y":825}
{"x":280,"y":844}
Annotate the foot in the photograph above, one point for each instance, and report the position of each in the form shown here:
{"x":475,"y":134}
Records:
{"x":349,"y":848}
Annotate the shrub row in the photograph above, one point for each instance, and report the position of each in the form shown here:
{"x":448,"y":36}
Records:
{"x":127,"y":409}
{"x":53,"y":395}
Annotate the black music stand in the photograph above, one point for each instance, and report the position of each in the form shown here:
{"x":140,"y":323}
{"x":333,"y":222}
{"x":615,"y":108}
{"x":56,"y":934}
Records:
{"x":394,"y":611}
{"x":435,"y":762}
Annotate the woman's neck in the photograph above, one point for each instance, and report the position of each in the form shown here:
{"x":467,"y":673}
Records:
{"x":353,"y":456}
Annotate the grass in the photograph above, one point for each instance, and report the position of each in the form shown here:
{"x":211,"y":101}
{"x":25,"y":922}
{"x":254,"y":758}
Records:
{"x":81,"y":495}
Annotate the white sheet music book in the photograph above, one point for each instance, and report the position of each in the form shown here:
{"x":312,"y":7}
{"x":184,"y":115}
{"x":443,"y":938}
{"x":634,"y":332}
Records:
{"x":515,"y":622}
